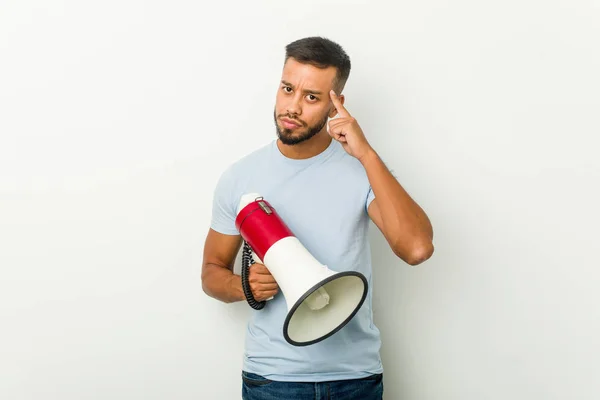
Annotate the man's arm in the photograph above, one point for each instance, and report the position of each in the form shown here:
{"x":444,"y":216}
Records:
{"x":403,"y":223}
{"x":218,"y":279}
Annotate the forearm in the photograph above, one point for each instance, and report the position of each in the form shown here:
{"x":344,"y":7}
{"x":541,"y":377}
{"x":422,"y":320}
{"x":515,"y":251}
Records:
{"x":222,"y":284}
{"x":404,"y":222}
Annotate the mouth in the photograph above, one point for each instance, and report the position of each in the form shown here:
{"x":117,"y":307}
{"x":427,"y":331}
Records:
{"x":289,"y":124}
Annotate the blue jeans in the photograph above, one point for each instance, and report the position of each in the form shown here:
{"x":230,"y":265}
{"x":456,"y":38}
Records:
{"x":257,"y":387}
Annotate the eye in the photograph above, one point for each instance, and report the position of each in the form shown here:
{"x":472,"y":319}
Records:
{"x":312,"y":97}
{"x":287,"y":89}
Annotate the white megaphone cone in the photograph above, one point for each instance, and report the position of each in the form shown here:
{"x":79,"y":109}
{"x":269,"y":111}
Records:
{"x":320,"y":301}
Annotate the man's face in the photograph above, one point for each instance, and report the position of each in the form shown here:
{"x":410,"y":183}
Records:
{"x":303,"y":104}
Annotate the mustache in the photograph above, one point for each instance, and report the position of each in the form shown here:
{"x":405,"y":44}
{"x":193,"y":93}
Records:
{"x":288,"y":116}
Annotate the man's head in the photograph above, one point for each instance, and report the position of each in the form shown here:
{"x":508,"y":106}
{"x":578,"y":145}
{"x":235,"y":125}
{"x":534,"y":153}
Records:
{"x":313,"y":66}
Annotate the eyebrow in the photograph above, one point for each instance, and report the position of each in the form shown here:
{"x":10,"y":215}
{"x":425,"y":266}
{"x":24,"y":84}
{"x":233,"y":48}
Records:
{"x":305,"y":90}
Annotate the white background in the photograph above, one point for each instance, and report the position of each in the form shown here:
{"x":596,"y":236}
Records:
{"x":117,"y":118}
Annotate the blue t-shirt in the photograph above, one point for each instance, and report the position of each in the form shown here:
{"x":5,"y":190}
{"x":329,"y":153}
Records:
{"x":323,"y":200}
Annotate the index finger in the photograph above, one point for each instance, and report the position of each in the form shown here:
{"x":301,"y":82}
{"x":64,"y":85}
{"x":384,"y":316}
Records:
{"x":338,"y":104}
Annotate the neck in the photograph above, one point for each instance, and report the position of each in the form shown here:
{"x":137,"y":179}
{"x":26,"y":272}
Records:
{"x":307,"y":149}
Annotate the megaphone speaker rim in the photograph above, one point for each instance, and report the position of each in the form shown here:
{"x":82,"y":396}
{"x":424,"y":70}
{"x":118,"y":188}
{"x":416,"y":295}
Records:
{"x":313,"y":289}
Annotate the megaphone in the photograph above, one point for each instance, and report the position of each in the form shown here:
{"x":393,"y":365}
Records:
{"x":320,"y":301}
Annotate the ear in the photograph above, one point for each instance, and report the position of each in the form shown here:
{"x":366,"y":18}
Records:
{"x":334,"y":111}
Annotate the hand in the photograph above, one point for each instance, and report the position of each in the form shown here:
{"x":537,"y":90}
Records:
{"x":262,"y":283}
{"x":346,"y":130}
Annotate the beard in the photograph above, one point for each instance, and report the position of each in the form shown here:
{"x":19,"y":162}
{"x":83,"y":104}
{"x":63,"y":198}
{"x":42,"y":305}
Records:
{"x":300,"y":134}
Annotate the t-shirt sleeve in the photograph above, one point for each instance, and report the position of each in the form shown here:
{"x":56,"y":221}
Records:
{"x":370,"y":198}
{"x":223,"y":207}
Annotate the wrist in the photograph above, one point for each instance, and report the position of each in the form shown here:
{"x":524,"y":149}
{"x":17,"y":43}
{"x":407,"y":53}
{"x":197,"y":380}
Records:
{"x":235,"y":288}
{"x":368,"y":156}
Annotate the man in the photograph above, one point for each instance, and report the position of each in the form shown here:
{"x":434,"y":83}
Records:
{"x":326,"y":182}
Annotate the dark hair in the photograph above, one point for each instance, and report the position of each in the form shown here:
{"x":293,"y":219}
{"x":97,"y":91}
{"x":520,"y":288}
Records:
{"x":321,"y":53}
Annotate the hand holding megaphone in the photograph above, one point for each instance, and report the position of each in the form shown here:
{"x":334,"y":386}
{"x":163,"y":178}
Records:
{"x":262,"y":283}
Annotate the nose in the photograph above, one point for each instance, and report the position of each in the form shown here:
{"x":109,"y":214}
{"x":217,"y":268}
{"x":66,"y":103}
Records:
{"x":293,"y":106}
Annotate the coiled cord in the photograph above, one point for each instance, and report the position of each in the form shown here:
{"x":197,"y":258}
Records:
{"x":247,"y":260}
